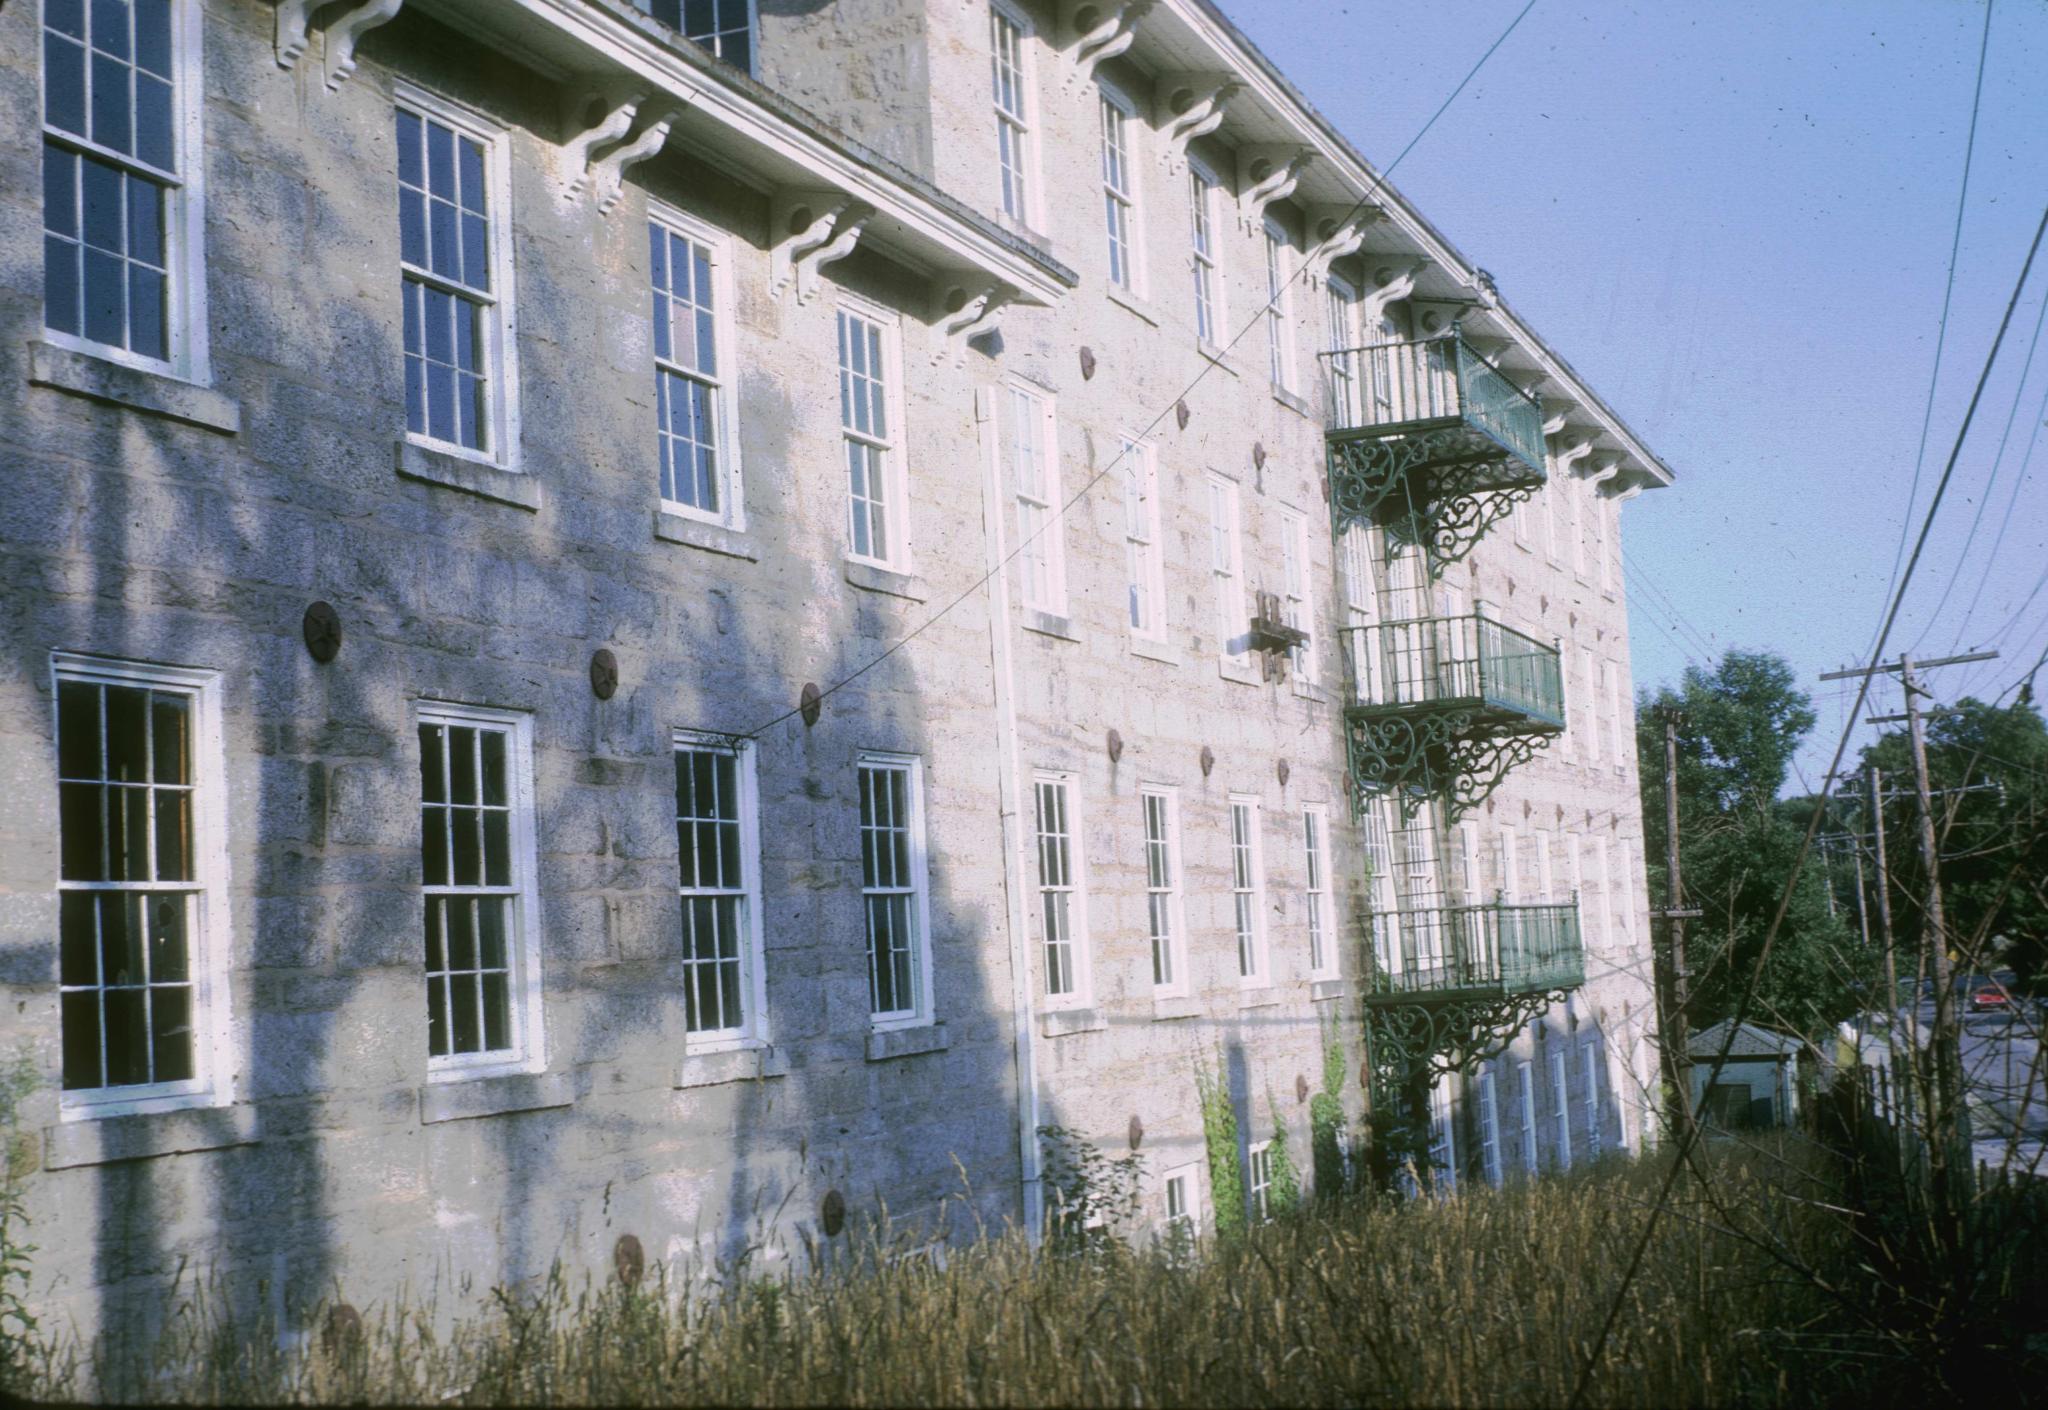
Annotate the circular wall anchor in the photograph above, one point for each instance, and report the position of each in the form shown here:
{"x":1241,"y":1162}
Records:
{"x":629,"y":1260}
{"x":604,"y":673}
{"x":1137,"y":1133}
{"x":810,"y":701}
{"x":1087,"y":364}
{"x":1116,"y":746}
{"x":1208,"y":760}
{"x":1259,"y":454}
{"x":1283,"y":771}
{"x":832,"y":1213}
{"x":321,"y":627}
{"x":1181,"y":413}
{"x":1300,"y":1087}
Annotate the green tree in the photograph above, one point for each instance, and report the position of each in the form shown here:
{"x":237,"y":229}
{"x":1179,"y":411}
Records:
{"x":1743,"y":721}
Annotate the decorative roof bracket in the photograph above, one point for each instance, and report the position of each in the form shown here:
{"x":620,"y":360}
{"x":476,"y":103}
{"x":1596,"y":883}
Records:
{"x":1571,"y":454}
{"x":1103,"y":30}
{"x":293,"y":32}
{"x":967,"y":306}
{"x":1191,"y":105}
{"x":1266,"y":174}
{"x":577,"y":151}
{"x":1393,"y":281}
{"x":1339,"y":231}
{"x":818,"y":227}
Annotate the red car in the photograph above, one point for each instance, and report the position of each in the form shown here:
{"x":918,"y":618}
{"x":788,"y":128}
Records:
{"x":1990,"y":999}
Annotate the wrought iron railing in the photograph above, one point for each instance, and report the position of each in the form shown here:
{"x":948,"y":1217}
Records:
{"x":1440,"y":660}
{"x":1432,"y":379}
{"x":1496,"y":947}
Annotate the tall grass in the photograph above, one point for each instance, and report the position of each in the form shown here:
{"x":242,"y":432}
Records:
{"x":1750,"y":1293}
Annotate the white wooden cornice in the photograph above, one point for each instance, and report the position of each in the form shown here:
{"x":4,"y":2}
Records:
{"x":1266,"y":174}
{"x":1554,"y":417}
{"x":1392,"y":282}
{"x":293,"y":32}
{"x":965,"y":305}
{"x":608,"y":172}
{"x":1190,"y":105}
{"x":1102,"y":29}
{"x":579,"y":152}
{"x":816,"y":228}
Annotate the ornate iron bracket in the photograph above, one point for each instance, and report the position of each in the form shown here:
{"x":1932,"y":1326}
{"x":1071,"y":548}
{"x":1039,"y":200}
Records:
{"x":1418,"y":754}
{"x":1441,"y":487}
{"x":1427,"y":1038}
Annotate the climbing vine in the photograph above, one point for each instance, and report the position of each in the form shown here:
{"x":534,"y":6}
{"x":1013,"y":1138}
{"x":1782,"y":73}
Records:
{"x":1219,"y":1133}
{"x":1283,"y":1192}
{"x":1326,"y":1120}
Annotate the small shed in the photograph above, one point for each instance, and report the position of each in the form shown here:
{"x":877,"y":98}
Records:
{"x":1753,"y":1087}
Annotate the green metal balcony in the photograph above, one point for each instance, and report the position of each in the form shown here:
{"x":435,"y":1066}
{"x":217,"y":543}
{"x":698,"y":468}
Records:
{"x":1429,"y":440}
{"x":1495,"y":950}
{"x":1442,"y":707}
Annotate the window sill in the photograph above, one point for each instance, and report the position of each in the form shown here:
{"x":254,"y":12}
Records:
{"x":1263,"y":996}
{"x":101,"y":379}
{"x":1216,"y":358}
{"x":459,"y":1099}
{"x":457,"y":472}
{"x":1236,"y":674}
{"x":1320,"y":990}
{"x":872,"y":577}
{"x":887,"y":1043}
{"x":1296,"y":404}
{"x":1154,"y":651}
{"x":671,"y":527}
{"x":1311,"y":692}
{"x":1049,"y":624}
{"x":1124,"y":298}
{"x":108,"y":1139}
{"x":753,"y":1063}
{"x":1168,"y":1007}
{"x":1061,"y":1023}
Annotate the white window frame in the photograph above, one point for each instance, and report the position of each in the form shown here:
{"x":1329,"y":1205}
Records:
{"x":1168,"y":902}
{"x":890,"y":446}
{"x":1041,"y":560}
{"x":1443,"y":1138}
{"x":1511,"y":864}
{"x":1470,"y":884}
{"x":1189,"y":1216}
{"x":527,"y":1051}
{"x":1621,"y":894}
{"x":1023,"y":120}
{"x":1080,"y":993}
{"x":1575,"y":868}
{"x":1577,"y":492}
{"x":1248,"y":891}
{"x":1341,"y":313}
{"x":1297,"y":606}
{"x":1606,"y":874}
{"x":1561,"y":1098}
{"x":752,"y":1029}
{"x":1619,"y":739}
{"x":1258,"y":1182}
{"x":1226,"y":572}
{"x":1489,"y":1129}
{"x":1319,"y":915}
{"x":1589,"y":692}
{"x":1590,"y":1057}
{"x":1144,"y":547}
{"x":1278,"y":305}
{"x":1546,"y":878}
{"x":211,"y":936}
{"x":500,"y":308}
{"x":1124,"y":243}
{"x":187,"y":341}
{"x":752,"y":70}
{"x":1205,"y":256}
{"x":732,"y":512}
{"x":923,"y":1012}
{"x":1525,"y":1094}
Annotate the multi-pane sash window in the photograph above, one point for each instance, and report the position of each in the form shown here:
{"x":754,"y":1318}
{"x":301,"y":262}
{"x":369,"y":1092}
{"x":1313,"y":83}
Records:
{"x":1012,"y":103}
{"x":1341,"y":307}
{"x":1620,"y":724}
{"x":692,"y":381}
{"x":1376,"y":830}
{"x":1162,"y":887}
{"x":1226,"y":571}
{"x":1591,"y":1067}
{"x":1259,"y":1188}
{"x":1180,"y":1203}
{"x":1294,"y":603}
{"x":114,"y":192}
{"x":1279,"y":350}
{"x":1034,"y":470}
{"x":1604,"y":870}
{"x":1059,"y":898}
{"x":1443,"y":1146}
{"x":1247,"y":889}
{"x":1561,"y":1108}
{"x":447,"y":224}
{"x":1208,"y":281}
{"x":1144,"y":560}
{"x":715,"y":851}
{"x":893,"y":887}
{"x":1313,"y":827}
{"x":475,"y":822}
{"x":1590,"y":681}
{"x":1119,"y":190}
{"x":864,"y":418}
{"x":1578,"y":493}
{"x":1489,"y":1128}
{"x":1525,"y":1102}
{"x":132,"y":885}
{"x":724,"y":27}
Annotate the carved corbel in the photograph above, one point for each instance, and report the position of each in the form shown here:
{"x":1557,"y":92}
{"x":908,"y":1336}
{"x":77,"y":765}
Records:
{"x":1393,"y":281}
{"x":1571,"y":454}
{"x":966,"y":306}
{"x":1605,"y":469}
{"x":1339,"y":231}
{"x":1266,"y":175}
{"x":1190,"y":105}
{"x":1623,"y":496}
{"x":343,"y":34}
{"x":1434,"y":317}
{"x":578,"y":151}
{"x":817,"y":228}
{"x":294,"y":30}
{"x":608,"y":172}
{"x":1102,"y":29}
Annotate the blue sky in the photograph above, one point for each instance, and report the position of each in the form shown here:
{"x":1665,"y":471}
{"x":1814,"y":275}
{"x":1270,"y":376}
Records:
{"x":1735,"y":220}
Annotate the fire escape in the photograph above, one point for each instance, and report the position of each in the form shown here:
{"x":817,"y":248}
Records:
{"x":1431,"y":444}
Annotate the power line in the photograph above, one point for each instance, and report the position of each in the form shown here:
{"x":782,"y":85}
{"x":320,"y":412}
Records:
{"x":1208,"y":365}
{"x":2019,"y":481}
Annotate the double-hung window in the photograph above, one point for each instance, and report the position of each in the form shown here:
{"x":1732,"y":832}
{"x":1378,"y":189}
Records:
{"x":1489,"y":1128}
{"x":867,"y":419}
{"x":1341,"y":308}
{"x":1119,"y":189}
{"x":1248,"y":891}
{"x":1561,"y":1107}
{"x":1591,"y":1064}
{"x":1525,"y":1102}
{"x":1279,"y":336}
{"x":1144,"y":557}
{"x":1009,"y":35}
{"x":694,"y":387}
{"x":477,"y":863}
{"x":1322,"y":958}
{"x":1258,"y":1194}
{"x":139,"y":879}
{"x":1603,"y":869}
{"x":895,"y":889}
{"x":455,"y":278}
{"x":1226,"y":573}
{"x":724,"y":27}
{"x":1202,"y":237}
{"x":718,"y":858}
{"x":1443,"y":1141}
{"x":1162,"y":888}
{"x":121,"y":214}
{"x":1295,"y":608}
{"x":1589,"y":685}
{"x":1062,"y":913}
{"x":1035,"y":477}
{"x":1183,"y":1218}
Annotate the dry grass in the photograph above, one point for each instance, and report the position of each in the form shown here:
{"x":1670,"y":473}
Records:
{"x":1487,"y":1299}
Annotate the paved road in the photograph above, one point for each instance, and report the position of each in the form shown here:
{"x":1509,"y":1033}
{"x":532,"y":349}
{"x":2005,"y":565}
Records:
{"x":2007,"y":1084}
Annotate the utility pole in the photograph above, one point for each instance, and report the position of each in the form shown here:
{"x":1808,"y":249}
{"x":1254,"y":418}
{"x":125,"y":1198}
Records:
{"x":1947,"y":1122}
{"x":1677,"y":982}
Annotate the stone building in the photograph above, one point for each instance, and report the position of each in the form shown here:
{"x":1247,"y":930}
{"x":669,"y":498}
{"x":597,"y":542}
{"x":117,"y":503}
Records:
{"x":1074,"y":583}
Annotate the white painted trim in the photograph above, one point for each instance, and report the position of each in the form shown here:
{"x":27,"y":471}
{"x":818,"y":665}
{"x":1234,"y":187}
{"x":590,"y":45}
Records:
{"x":894,"y":445}
{"x":1332,"y":966}
{"x":1033,"y":215}
{"x":923,"y":1013}
{"x":215,"y":1074}
{"x":725,"y":328}
{"x":1133,"y":131}
{"x":1053,"y":540}
{"x":1261,"y":976}
{"x":1083,"y":993}
{"x":1219,"y":283}
{"x":754,"y":1029}
{"x":1145,"y":456}
{"x":1176,"y":900}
